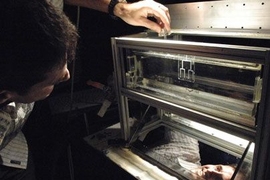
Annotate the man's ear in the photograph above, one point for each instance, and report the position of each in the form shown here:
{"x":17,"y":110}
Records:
{"x":5,"y":96}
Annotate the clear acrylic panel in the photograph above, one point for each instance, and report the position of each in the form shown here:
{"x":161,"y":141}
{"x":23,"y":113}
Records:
{"x":219,"y":87}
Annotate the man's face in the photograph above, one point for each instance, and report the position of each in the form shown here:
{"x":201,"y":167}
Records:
{"x":43,"y":89}
{"x":215,"y":172}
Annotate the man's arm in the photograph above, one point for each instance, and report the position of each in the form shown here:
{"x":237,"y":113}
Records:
{"x":135,"y":14}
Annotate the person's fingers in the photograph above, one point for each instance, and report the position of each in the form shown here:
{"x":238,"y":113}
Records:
{"x":138,"y":14}
{"x":161,"y":14}
{"x":166,"y":10}
{"x":151,"y":25}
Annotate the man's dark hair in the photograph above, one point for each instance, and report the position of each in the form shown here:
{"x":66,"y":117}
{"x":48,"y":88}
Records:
{"x":35,"y":38}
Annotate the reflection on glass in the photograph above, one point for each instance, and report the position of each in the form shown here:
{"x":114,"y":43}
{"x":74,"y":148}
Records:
{"x":212,"y":132}
{"x":219,"y":87}
{"x":191,"y":158}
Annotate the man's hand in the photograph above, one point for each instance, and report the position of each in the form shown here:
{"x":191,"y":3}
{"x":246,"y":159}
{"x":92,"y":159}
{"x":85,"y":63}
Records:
{"x":137,"y":14}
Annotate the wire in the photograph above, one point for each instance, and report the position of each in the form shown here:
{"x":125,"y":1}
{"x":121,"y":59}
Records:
{"x":70,"y":160}
{"x":241,"y":161}
{"x":78,"y":17}
{"x":73,"y":66}
{"x":139,"y":127}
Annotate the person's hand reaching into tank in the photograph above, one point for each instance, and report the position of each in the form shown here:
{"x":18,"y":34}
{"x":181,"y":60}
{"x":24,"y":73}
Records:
{"x":138,"y":13}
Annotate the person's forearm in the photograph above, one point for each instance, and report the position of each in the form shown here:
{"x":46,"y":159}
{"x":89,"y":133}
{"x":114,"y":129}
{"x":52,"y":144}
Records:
{"x":135,"y":14}
{"x":100,"y":5}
